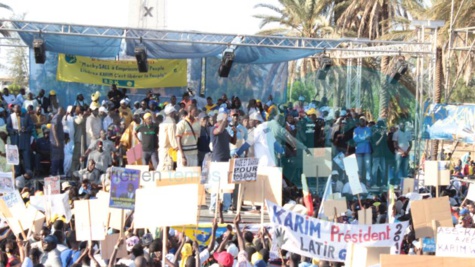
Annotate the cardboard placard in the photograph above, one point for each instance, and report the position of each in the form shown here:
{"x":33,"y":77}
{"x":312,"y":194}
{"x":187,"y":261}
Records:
{"x":471,"y":192}
{"x":242,"y":170}
{"x":134,"y":154}
{"x":218,"y":178}
{"x":13,"y":210}
{"x":174,"y":212}
{"x":436,"y":173}
{"x":90,"y":219}
{"x":13,"y":157}
{"x":124,"y":182}
{"x":423,"y":261}
{"x":455,"y":242}
{"x":427,"y":210}
{"x":271,"y":178}
{"x":320,"y":160}
{"x":113,"y":215}
{"x":365,"y":216}
{"x":52,"y":185}
{"x":351,"y":165}
{"x":407,"y":185}
{"x":53,"y":205}
{"x":330,"y":205}
{"x":355,"y":184}
{"x":6,"y":182}
{"x":361,"y":256}
{"x":107,"y":247}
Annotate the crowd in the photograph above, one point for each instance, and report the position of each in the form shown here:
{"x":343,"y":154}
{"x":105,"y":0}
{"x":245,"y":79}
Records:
{"x":82,"y":141}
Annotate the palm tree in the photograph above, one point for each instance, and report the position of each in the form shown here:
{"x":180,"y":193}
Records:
{"x":374,"y":19}
{"x":298,"y":18}
{"x":463,"y":17}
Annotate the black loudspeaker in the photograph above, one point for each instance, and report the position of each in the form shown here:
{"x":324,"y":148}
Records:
{"x":141,"y":56}
{"x":39,"y":50}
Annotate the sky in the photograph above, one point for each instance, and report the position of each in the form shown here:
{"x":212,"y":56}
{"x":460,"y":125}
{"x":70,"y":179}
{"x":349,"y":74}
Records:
{"x":213,"y":16}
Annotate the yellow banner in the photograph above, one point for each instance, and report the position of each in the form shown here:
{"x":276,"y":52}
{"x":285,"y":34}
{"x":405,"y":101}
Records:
{"x":124,"y":73}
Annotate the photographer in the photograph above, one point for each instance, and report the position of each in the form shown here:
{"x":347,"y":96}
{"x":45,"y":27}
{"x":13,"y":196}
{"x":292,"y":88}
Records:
{"x":20,"y":127}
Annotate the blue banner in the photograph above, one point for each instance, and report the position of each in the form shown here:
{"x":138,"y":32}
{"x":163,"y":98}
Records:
{"x":449,"y":122}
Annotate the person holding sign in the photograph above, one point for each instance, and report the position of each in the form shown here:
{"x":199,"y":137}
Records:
{"x":20,"y":127}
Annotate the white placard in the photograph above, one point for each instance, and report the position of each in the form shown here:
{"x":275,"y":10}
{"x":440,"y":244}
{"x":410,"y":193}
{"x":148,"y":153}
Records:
{"x":455,"y":242}
{"x":13,"y":157}
{"x":351,"y":165}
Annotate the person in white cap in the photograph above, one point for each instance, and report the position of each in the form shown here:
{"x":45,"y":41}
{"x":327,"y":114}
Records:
{"x":262,"y":139}
{"x":93,"y":124}
{"x":68,"y":122}
{"x":166,"y":139}
{"x":125,"y":113}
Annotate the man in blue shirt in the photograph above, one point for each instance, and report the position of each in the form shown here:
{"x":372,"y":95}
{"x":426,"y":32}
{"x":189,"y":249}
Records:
{"x":362,"y":139}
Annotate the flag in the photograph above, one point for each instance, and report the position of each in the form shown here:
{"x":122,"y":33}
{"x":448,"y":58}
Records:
{"x":307,"y":196}
{"x":328,"y":191}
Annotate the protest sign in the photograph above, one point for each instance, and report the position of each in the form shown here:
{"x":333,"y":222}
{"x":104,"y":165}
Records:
{"x":436,"y":173}
{"x":365,"y":216}
{"x":218,"y":178}
{"x":407,"y":185}
{"x":6,"y":182}
{"x":12,"y":208}
{"x":455,"y":242}
{"x":172,"y":213}
{"x":427,"y":210}
{"x":351,"y":165}
{"x":319,"y":164}
{"x":471,"y":192}
{"x":423,"y":261}
{"x":360,"y":256}
{"x":52,"y":185}
{"x":428,"y":244}
{"x":355,"y":184}
{"x":107,"y":247}
{"x":338,"y":159}
{"x":90,"y":219}
{"x":331,"y":206}
{"x":124,"y":182}
{"x":59,"y":205}
{"x":243,"y":170}
{"x":314,"y":238}
{"x":13,"y":157}
{"x":269,"y":184}
{"x":201,"y":233}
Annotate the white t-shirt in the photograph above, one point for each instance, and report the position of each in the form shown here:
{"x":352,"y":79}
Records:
{"x":402,"y":139}
{"x":263,"y":141}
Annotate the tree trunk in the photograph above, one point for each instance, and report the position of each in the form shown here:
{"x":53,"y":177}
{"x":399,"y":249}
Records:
{"x":383,"y":92}
{"x":437,"y":95}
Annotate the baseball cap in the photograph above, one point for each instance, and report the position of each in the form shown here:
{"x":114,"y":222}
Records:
{"x":52,"y":92}
{"x":65,"y":185}
{"x":312,"y":111}
{"x":224,"y":258}
{"x":51,"y":239}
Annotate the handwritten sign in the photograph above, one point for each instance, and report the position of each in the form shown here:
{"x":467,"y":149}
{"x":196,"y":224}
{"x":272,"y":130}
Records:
{"x":52,"y":185}
{"x":243,"y":170}
{"x":455,"y":242}
{"x":13,"y":157}
{"x":314,"y":238}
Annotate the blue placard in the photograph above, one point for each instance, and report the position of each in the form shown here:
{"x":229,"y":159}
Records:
{"x":428,"y":244}
{"x":124,"y":182}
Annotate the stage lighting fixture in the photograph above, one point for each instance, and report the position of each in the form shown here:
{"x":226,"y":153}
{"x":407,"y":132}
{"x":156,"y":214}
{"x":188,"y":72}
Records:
{"x":141,"y":56}
{"x":226,"y":63}
{"x":39,"y":50}
{"x":400,"y":68}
